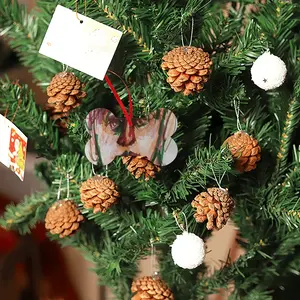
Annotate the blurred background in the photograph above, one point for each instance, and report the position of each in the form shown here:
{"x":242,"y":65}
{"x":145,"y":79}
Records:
{"x":32,"y":267}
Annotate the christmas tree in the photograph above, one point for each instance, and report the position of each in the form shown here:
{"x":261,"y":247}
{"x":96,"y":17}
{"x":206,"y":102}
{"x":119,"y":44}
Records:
{"x":229,"y":72}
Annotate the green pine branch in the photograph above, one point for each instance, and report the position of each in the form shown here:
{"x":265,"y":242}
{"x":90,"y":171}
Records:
{"x":23,"y":216}
{"x":79,"y":169}
{"x":182,"y":282}
{"x":127,"y":19}
{"x":243,"y":52}
{"x":267,"y":199}
{"x":149,"y":23}
{"x":284,"y":200}
{"x":25,"y":32}
{"x":221,"y":96}
{"x":290,"y":125}
{"x":247,"y":284}
{"x":202,"y":167}
{"x":22,"y":110}
{"x":222,"y":278}
{"x":217,"y":29}
{"x":117,"y":252}
{"x":278,"y":21}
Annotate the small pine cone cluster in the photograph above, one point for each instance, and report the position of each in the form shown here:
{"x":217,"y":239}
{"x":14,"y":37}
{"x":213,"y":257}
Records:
{"x":215,"y":206}
{"x":188,"y":69}
{"x":63,"y":218}
{"x":99,"y":193}
{"x":245,"y":151}
{"x":151,"y":288}
{"x":140,"y":165}
{"x":64,"y":94}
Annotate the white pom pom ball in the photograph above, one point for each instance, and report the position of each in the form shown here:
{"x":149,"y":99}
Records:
{"x":188,"y":250}
{"x":268,"y":71}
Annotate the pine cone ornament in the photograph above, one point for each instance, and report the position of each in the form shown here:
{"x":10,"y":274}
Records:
{"x":188,"y":69}
{"x":64,"y":94}
{"x":151,"y":288}
{"x":245,"y":151}
{"x":99,"y":193}
{"x":215,"y":206}
{"x":63,"y":218}
{"x":139,"y":165}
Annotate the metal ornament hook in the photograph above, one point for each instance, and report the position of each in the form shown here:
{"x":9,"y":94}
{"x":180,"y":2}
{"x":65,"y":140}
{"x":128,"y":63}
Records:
{"x":237,"y":111}
{"x":106,"y":170}
{"x":68,"y":186}
{"x":59,"y":188}
{"x":218,"y":182}
{"x":181,"y":32}
{"x":93,"y":170}
{"x":182,"y":227}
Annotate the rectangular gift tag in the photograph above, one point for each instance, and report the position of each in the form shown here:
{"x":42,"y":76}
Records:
{"x":13,"y":147}
{"x":83,"y":44}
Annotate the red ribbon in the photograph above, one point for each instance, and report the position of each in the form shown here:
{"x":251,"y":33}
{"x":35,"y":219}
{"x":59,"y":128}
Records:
{"x":127,"y":115}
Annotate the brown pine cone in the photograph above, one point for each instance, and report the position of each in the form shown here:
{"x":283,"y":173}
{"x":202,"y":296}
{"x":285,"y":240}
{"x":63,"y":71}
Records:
{"x":99,"y":193}
{"x":188,"y":69}
{"x":64,"y":94}
{"x":63,"y":218}
{"x":151,"y":288}
{"x":139,"y":165}
{"x":245,"y":151}
{"x":215,"y":206}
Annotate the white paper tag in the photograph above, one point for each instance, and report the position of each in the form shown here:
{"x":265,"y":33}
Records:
{"x":88,"y":46}
{"x":13,"y":147}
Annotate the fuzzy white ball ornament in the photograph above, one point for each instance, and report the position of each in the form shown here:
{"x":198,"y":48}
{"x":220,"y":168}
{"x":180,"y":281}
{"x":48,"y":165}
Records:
{"x":268,"y":71}
{"x":188,"y":250}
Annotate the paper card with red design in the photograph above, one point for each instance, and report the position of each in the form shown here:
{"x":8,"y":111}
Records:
{"x":112,"y":136}
{"x":13,"y":147}
{"x":80,"y":42}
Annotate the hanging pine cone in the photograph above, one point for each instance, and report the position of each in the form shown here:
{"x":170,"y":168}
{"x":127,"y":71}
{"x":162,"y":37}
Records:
{"x":215,"y":206}
{"x":99,"y":193}
{"x":64,"y":94}
{"x":188,"y":69}
{"x":245,"y":151}
{"x":139,"y":165}
{"x":63,"y":218}
{"x":151,"y":288}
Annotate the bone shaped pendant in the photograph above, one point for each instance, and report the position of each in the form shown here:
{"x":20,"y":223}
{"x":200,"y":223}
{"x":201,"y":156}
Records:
{"x":112,"y":136}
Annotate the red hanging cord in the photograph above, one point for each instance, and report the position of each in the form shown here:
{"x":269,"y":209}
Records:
{"x":127,"y":115}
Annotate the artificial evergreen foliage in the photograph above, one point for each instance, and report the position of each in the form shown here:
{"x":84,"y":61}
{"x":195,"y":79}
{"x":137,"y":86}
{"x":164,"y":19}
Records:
{"x":267,"y":206}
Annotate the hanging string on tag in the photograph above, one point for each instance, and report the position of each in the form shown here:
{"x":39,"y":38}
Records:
{"x":192,"y":32}
{"x":59,"y":188}
{"x":183,"y":227}
{"x":106,"y":170}
{"x":85,"y":5}
{"x":237,"y":110}
{"x":6,"y":111}
{"x":127,"y":115}
{"x":15,"y":113}
{"x":14,"y":116}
